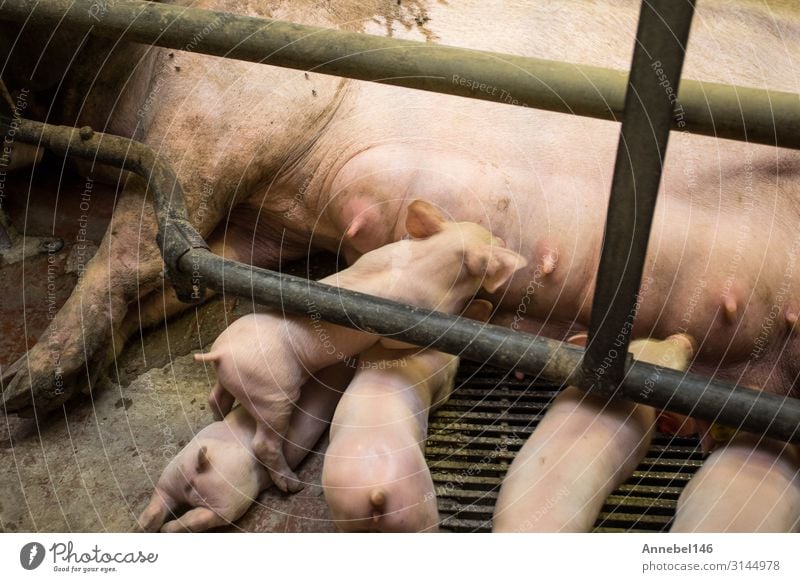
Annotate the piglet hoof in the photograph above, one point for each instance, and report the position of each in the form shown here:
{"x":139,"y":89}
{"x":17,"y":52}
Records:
{"x":286,"y":481}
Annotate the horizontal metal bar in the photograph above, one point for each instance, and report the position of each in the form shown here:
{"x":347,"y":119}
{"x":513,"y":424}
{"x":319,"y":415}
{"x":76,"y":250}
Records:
{"x":725,"y":111}
{"x":196,"y":267}
{"x":556,"y":361}
{"x":661,"y":36}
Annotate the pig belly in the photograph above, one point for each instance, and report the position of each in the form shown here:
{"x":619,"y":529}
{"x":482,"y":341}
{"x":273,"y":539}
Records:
{"x":722,"y":253}
{"x":745,"y":486}
{"x":710,"y":271}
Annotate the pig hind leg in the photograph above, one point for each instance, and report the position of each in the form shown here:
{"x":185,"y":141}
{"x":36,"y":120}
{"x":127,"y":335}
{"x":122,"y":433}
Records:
{"x":156,"y":512}
{"x":268,"y":446}
{"x":127,"y":262}
{"x":243,"y":237}
{"x":127,"y":265}
{"x":195,"y":520}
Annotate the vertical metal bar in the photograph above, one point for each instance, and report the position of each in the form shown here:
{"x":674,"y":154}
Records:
{"x":649,"y":103}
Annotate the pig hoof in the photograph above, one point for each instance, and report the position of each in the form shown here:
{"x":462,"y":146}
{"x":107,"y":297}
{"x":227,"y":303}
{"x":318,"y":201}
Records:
{"x":29,"y":383}
{"x":287,"y":482}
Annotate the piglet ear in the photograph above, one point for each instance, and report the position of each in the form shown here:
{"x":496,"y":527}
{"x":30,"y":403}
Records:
{"x":203,"y":462}
{"x":479,"y":310}
{"x":423,"y":219}
{"x":494,"y":265}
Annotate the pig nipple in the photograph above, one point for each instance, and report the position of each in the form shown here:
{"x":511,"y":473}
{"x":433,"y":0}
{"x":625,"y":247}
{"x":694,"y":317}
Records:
{"x":377,"y":498}
{"x":791,"y":320}
{"x":730,"y":308}
{"x":548,"y":264}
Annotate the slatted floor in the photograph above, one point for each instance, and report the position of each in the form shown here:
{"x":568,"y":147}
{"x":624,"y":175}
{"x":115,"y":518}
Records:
{"x":474,"y":437}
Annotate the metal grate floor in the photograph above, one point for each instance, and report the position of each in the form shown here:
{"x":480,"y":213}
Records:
{"x":474,"y":437}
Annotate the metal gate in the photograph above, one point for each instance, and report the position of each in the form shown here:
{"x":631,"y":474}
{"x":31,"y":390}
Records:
{"x":636,"y":99}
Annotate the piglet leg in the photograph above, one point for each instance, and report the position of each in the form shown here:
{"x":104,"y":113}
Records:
{"x":268,"y":446}
{"x":318,"y":399}
{"x":197,"y":519}
{"x":156,"y":512}
{"x":220,"y":401}
{"x":746,"y":486}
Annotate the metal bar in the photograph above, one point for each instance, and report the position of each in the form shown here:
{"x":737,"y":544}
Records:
{"x":657,"y":62}
{"x":185,"y":254}
{"x":685,"y":393}
{"x":724,"y":111}
{"x":168,"y":197}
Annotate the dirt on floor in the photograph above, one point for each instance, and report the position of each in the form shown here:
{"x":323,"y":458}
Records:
{"x":91,"y":466}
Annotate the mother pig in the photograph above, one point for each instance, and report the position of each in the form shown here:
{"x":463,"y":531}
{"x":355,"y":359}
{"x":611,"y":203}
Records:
{"x":282,"y":162}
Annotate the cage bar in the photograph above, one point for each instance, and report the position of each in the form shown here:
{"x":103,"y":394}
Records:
{"x":713,"y":109}
{"x":661,"y":39}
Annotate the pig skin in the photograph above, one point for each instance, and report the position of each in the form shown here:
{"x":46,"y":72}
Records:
{"x":304,"y":158}
{"x":750,"y":484}
{"x":305,"y":166}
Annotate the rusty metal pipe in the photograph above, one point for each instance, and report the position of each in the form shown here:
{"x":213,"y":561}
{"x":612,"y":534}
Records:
{"x":746,"y":409}
{"x":175,"y":233}
{"x":725,"y":111}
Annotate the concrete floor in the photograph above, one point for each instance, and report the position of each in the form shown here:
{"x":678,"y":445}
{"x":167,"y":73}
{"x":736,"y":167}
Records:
{"x":92,"y":465}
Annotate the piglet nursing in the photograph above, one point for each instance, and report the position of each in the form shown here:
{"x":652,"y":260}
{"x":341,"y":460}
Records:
{"x":263,"y":359}
{"x":584,"y":447}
